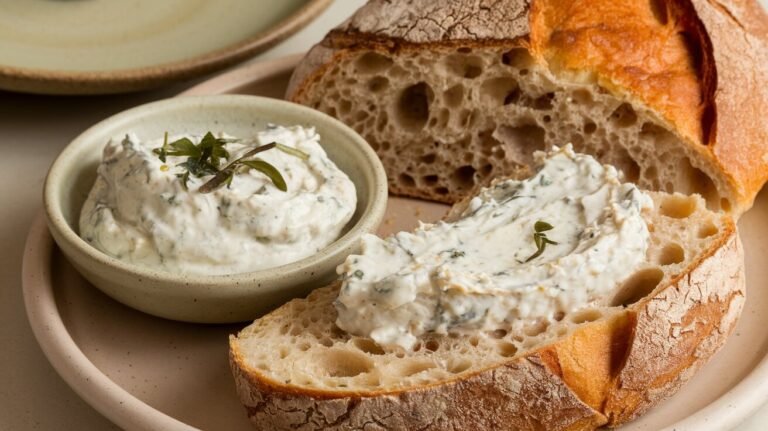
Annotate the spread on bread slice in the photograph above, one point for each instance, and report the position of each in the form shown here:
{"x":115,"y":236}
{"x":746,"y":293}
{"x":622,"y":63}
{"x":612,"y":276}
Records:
{"x":521,"y":255}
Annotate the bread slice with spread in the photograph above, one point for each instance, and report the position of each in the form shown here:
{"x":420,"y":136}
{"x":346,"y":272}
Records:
{"x":456,"y":96}
{"x":568,"y":348}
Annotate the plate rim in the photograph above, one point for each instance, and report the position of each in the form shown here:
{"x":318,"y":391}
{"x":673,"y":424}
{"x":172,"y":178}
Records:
{"x":58,"y":82}
{"x":63,"y":353}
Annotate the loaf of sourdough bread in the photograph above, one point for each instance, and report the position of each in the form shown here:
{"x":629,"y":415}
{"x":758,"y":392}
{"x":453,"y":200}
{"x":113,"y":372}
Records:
{"x":454,"y":93}
{"x":603,"y":365}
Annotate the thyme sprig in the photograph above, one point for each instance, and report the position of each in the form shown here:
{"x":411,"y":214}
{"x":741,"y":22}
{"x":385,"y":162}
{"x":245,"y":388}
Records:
{"x":540,"y":238}
{"x":205,"y":158}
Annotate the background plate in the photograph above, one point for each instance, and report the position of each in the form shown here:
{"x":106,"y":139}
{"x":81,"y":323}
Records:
{"x":108,"y":46}
{"x":143,"y":372}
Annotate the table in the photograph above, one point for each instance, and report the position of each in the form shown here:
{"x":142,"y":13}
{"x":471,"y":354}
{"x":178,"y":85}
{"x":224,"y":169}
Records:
{"x":33,"y":130}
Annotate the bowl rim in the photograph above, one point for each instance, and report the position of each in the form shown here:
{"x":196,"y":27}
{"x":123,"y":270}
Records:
{"x":370,"y":217}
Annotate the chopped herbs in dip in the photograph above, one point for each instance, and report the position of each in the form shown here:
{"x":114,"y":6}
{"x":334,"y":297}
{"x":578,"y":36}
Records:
{"x":521,"y":253}
{"x":216,"y":204}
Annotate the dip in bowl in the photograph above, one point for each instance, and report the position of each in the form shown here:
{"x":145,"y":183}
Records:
{"x":195,"y":296}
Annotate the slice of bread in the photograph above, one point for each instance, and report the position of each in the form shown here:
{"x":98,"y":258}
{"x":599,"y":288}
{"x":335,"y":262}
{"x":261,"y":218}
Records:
{"x":454,"y":93}
{"x":604,"y":364}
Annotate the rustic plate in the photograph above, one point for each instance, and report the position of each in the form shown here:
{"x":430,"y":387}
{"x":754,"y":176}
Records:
{"x":147,"y":373}
{"x":107,"y":46}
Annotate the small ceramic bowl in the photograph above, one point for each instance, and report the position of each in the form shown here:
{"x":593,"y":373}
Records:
{"x":219,"y":298}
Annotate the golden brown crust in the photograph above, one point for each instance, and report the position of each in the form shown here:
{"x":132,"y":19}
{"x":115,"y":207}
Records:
{"x":626,"y":45}
{"x":695,"y":63}
{"x":591,"y":375}
{"x":738,"y":32}
{"x":701,"y":65}
{"x":678,"y":329}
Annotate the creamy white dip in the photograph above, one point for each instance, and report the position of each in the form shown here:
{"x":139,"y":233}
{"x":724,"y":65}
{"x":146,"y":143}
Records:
{"x":139,"y":211}
{"x":477,"y":273}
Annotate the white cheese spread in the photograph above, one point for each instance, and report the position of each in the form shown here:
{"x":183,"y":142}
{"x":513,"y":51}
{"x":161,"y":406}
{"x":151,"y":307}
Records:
{"x":482,"y":271}
{"x":139,"y":210}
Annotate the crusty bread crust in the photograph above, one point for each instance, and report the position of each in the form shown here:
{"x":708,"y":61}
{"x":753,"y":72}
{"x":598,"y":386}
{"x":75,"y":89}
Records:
{"x":738,"y":96}
{"x":606,"y":372}
{"x":678,"y":330}
{"x":700,"y":65}
{"x":517,"y":396}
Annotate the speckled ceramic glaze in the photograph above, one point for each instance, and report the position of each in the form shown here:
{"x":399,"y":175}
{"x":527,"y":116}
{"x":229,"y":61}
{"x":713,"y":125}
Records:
{"x":209,"y":299}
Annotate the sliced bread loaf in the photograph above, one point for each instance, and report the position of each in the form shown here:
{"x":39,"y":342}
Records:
{"x":604,"y":364}
{"x":453,"y":93}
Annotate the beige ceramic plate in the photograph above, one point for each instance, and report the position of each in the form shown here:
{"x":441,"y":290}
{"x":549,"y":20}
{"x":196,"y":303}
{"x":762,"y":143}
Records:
{"x":109,"y":46}
{"x":148,"y":373}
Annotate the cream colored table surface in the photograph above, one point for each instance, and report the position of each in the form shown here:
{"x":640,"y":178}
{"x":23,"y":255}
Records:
{"x":33,"y":130}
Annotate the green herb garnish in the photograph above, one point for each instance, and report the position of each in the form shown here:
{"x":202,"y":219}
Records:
{"x":204,"y":159}
{"x":540,"y":238}
{"x":225,"y":175}
{"x":359,"y":274}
